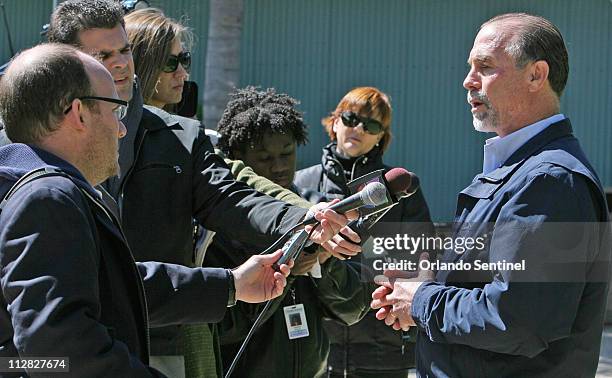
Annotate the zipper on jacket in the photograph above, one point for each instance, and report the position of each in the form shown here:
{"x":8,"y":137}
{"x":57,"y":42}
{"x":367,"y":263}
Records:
{"x":129,"y":173}
{"x":324,"y":189}
{"x":141,"y":291}
{"x":362,"y":157}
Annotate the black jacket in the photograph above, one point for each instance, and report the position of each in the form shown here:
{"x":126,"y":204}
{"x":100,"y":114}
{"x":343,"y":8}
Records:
{"x":373,"y":345}
{"x":70,"y":286}
{"x":337,"y":295}
{"x":176,"y":177}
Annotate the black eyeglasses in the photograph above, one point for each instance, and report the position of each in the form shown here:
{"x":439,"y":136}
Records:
{"x":370,"y":126}
{"x":184,"y":58}
{"x":120,"y":111}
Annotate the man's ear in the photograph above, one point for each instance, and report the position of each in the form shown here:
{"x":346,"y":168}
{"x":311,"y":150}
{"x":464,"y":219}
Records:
{"x":538,"y":75}
{"x":76,"y":114}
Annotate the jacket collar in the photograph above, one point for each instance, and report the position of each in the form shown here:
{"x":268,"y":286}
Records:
{"x":484,"y":186}
{"x":17,"y":159}
{"x":157,"y":119}
{"x":555,"y":131}
{"x":361,"y":165}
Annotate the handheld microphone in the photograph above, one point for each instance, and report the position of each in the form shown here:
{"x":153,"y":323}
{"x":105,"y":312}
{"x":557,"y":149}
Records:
{"x":292,"y":248}
{"x":373,"y":194}
{"x":401,"y":183}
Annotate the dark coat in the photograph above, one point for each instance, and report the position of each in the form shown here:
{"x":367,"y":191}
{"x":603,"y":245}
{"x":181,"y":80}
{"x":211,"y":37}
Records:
{"x":70,"y":286}
{"x":176,"y":177}
{"x":545,"y":320}
{"x":337,"y":295}
{"x":369,"y":345}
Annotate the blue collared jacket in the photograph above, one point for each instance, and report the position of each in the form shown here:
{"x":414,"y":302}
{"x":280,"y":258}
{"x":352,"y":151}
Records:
{"x":544,"y":206}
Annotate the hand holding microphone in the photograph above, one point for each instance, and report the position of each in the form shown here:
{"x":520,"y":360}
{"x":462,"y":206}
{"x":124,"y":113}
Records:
{"x":373,"y":194}
{"x":400,"y":184}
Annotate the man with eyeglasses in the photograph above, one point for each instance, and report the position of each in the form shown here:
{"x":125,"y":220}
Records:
{"x":169,"y":172}
{"x":73,"y":299}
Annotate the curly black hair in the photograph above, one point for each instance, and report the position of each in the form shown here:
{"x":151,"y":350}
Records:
{"x":251,"y":113}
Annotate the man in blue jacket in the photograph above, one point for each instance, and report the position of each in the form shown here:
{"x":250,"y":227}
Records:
{"x":70,"y":286}
{"x":540,"y":215}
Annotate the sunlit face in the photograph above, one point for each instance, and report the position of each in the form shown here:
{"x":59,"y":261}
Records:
{"x":273,"y":158}
{"x":494,"y":84}
{"x":354,"y":141}
{"x":104,"y":127}
{"x":112,"y":49}
{"x":169,"y":86}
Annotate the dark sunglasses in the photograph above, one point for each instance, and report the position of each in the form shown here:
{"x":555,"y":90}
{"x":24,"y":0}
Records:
{"x":120,"y":111}
{"x":370,"y":126}
{"x":184,"y":58}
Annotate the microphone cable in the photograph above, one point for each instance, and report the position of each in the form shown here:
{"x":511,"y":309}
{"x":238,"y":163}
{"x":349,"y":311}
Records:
{"x":260,"y":317}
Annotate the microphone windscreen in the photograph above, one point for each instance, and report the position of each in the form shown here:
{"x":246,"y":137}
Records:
{"x":374,"y":194}
{"x":399,"y":180}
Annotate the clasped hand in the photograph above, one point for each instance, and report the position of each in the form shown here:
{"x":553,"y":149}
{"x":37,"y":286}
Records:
{"x":395,"y":295}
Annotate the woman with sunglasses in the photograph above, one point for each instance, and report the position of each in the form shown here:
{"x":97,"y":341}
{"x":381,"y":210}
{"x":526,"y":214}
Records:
{"x":162,"y":66}
{"x":161,"y":60}
{"x":360,"y":133}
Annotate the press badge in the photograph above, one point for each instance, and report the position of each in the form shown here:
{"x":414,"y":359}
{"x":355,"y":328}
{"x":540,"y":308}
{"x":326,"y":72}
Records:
{"x":295,"y":318}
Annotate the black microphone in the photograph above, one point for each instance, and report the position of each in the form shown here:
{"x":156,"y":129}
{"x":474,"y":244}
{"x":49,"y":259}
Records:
{"x":293,"y":247}
{"x":373,"y":194}
{"x":401,"y":184}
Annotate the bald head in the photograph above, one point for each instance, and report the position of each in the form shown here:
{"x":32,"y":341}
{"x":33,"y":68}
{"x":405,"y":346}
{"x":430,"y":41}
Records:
{"x":39,"y":85}
{"x":528,"y":38}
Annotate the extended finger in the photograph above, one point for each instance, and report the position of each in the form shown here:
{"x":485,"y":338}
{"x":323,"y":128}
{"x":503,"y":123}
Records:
{"x":390,"y":319}
{"x":285,"y":269}
{"x":384,"y":281}
{"x":338,"y":220}
{"x":268,"y":260}
{"x":349,"y":233}
{"x":340,"y":248}
{"x":381,"y":292}
{"x":384,"y":301}
{"x":349,"y":246}
{"x":382,"y":313}
{"x":396,"y":325}
{"x":279,"y":279}
{"x":329,"y":247}
{"x":399,"y":274}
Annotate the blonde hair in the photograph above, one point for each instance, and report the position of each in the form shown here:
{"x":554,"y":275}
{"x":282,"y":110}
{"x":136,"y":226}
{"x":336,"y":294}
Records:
{"x":151,"y":34}
{"x":369,"y":102}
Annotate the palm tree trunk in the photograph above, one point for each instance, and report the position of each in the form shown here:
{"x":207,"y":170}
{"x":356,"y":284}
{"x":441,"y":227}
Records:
{"x":222,"y":71}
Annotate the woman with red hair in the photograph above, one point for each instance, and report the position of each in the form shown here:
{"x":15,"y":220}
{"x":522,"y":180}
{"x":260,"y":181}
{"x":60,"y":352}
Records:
{"x":360,"y":133}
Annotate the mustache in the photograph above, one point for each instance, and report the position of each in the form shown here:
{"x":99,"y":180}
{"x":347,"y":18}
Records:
{"x":480,"y":97}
